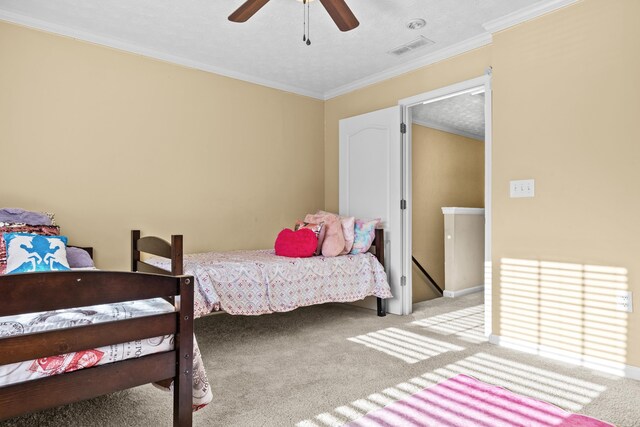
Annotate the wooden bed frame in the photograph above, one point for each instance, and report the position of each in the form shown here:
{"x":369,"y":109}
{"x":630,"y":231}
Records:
{"x":174,"y":251}
{"x":35,"y":292}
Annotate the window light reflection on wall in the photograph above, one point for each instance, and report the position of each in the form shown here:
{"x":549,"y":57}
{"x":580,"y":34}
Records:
{"x":565,"y":311}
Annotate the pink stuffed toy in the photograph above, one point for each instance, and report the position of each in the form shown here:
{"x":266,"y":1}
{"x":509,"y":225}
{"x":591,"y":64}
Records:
{"x":333,"y":243}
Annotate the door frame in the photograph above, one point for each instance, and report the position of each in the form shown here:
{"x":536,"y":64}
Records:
{"x":432,"y":96}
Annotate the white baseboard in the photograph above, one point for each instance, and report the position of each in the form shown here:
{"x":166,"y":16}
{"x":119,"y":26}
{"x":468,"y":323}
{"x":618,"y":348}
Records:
{"x":601,"y":365}
{"x":454,"y":294}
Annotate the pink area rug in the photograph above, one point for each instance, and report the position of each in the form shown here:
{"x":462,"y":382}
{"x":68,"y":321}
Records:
{"x":465,"y":401}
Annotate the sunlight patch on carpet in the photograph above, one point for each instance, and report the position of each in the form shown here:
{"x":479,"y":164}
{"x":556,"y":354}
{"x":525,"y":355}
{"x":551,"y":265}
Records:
{"x":567,"y":393}
{"x":404,"y":345}
{"x":466,"y":324}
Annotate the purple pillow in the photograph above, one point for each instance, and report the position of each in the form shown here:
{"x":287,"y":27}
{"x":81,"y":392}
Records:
{"x":17,"y":215}
{"x":78,"y":258}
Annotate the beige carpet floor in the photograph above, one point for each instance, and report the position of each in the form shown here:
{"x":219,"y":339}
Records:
{"x":324,"y":365}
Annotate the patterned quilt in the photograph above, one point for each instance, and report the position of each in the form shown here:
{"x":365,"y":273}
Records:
{"x":57,"y":319}
{"x":260,"y":282}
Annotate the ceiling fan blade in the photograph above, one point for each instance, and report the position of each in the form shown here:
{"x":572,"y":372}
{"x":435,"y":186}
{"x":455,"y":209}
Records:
{"x":247,"y":10}
{"x":341,"y":14}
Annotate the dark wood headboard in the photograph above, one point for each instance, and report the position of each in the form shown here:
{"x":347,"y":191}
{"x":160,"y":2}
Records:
{"x":378,"y":244}
{"x":156,"y":246}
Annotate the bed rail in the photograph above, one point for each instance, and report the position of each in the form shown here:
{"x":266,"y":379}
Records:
{"x":35,"y":292}
{"x":32,"y":292}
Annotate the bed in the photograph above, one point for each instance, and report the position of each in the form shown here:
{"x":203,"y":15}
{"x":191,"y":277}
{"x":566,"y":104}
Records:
{"x":26,"y":336}
{"x":259,"y":282}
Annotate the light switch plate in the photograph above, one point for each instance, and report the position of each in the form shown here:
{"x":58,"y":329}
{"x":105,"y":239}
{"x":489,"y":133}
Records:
{"x":522,"y":188}
{"x":624,"y":301}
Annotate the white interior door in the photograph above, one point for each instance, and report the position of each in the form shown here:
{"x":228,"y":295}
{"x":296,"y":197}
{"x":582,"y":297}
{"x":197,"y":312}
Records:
{"x":371,"y":183}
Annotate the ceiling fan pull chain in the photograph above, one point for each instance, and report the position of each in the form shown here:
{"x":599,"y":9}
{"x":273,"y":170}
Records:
{"x":308,"y":23}
{"x":304,"y":21}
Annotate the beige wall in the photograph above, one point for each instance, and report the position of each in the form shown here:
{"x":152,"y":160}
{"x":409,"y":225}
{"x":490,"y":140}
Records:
{"x":566,"y":108}
{"x":448,"y":170}
{"x":111,"y":141}
{"x":565,"y":112}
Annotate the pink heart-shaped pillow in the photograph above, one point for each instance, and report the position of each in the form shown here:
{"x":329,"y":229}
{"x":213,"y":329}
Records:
{"x":296,"y":244}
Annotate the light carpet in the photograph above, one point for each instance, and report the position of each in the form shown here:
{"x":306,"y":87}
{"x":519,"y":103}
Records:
{"x":331,"y":364}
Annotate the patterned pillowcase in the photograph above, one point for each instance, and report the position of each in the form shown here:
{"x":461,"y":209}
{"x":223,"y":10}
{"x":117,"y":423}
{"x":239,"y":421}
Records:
{"x":348,"y":229}
{"x":365,"y":233}
{"x":45,"y":230}
{"x":28,"y":252}
{"x":316,"y":228}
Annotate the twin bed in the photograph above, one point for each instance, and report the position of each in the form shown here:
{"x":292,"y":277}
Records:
{"x":260,"y":282}
{"x":44,"y":360}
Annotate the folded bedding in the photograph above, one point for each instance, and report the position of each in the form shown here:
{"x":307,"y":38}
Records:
{"x":58,"y":319}
{"x":260,"y":282}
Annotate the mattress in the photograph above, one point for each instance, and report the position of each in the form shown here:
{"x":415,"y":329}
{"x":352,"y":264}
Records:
{"x":260,"y":282}
{"x":59,"y":319}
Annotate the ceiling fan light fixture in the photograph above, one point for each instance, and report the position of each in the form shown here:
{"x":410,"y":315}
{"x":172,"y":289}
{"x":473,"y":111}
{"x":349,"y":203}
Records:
{"x":416,"y":24}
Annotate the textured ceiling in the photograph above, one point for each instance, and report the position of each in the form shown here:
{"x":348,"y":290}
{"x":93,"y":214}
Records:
{"x":462,"y":114}
{"x":269,"y":47}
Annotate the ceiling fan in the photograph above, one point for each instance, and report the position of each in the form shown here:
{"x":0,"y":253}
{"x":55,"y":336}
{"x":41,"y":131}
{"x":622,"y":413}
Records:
{"x":337,"y":9}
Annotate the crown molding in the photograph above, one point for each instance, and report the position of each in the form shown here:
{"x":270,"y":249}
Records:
{"x":475,"y":42}
{"x":448,"y":129}
{"x":439,"y":55}
{"x":64,"y":30}
{"x":526,"y":14}
{"x":515,"y":18}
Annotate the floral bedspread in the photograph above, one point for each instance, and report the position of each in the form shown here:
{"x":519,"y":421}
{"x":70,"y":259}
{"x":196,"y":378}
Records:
{"x":57,"y":319}
{"x":260,"y":282}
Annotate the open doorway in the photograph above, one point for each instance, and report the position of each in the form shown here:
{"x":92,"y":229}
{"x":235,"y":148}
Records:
{"x":447,"y":164}
{"x":447,"y":156}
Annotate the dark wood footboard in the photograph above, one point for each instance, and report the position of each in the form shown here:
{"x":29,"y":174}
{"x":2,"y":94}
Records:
{"x":36,"y":292}
{"x":159,"y":247}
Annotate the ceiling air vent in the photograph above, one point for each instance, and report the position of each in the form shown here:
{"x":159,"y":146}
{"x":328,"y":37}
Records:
{"x":411,"y":46}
